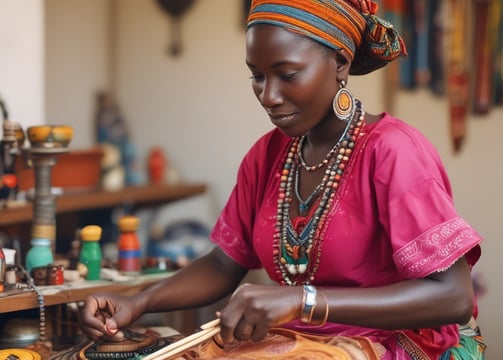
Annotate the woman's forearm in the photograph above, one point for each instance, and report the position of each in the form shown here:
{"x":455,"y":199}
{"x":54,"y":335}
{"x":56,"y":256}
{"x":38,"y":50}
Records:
{"x":202,"y":282}
{"x":430,"y":302}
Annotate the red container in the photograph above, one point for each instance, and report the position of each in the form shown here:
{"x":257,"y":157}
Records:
{"x":156,"y":166}
{"x":78,"y":169}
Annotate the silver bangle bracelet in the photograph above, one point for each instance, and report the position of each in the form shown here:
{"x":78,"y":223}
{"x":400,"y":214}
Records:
{"x":308,"y":303}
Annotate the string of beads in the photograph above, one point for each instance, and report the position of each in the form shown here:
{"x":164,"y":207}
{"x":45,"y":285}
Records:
{"x":41,"y":306}
{"x":327,"y":157}
{"x":296,"y":258}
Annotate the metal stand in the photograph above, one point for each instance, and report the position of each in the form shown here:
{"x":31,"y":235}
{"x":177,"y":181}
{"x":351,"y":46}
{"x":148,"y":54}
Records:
{"x":44,"y":204}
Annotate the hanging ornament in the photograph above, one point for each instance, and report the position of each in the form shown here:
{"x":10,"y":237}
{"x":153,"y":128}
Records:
{"x":175,"y":9}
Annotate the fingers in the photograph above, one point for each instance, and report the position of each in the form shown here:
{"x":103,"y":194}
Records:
{"x":111,"y":327}
{"x":240,"y":318}
{"x":253,"y":309}
{"x":260,"y":332}
{"x":244,"y":330}
{"x":117,"y":337}
{"x":99,"y":318}
{"x":92,"y":319}
{"x":226,"y":328}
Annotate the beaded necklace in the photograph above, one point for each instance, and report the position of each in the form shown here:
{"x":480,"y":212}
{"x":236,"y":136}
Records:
{"x":296,"y":260}
{"x":327,"y":157}
{"x":41,"y":306}
{"x":304,"y":204}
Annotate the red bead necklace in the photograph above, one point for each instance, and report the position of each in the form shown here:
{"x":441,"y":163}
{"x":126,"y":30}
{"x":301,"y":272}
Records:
{"x":297,"y":255}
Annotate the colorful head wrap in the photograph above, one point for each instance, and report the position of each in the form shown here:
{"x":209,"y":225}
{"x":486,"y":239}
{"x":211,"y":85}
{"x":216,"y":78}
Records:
{"x":349,"y":25}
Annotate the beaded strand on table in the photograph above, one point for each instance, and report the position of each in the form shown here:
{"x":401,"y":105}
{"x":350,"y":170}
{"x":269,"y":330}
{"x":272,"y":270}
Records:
{"x":41,"y":305}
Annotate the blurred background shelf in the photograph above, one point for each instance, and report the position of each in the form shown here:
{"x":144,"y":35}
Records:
{"x":77,"y":209}
{"x":131,"y":195}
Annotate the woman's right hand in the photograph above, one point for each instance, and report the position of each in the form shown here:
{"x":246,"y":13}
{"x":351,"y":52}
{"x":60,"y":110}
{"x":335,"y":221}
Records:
{"x":104,"y":314}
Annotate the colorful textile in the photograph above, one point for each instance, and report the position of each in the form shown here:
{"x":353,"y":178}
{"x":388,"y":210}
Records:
{"x":349,"y":25}
{"x":281,"y":344}
{"x":471,"y":345}
{"x":393,"y":219}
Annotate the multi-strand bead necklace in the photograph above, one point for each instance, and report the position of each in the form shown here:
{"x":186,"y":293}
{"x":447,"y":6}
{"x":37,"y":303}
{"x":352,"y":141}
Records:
{"x":296,"y":254}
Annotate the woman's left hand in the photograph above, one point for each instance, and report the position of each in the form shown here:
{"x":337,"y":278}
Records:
{"x":254,"y":309}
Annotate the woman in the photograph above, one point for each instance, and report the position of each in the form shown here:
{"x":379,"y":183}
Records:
{"x":351,"y":213}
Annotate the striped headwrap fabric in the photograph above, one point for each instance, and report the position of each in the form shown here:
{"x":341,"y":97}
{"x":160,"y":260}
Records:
{"x":349,"y":25}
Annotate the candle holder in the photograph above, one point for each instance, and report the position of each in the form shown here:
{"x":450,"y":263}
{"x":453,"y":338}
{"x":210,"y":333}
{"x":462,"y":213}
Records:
{"x":47,"y":142}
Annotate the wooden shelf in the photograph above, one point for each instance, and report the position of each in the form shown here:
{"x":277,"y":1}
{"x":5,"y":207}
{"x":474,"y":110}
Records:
{"x":55,"y":295}
{"x":88,"y":201}
{"x":134,"y":195}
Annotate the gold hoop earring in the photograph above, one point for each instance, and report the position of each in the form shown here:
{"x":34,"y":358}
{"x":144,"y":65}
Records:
{"x":344,"y":103}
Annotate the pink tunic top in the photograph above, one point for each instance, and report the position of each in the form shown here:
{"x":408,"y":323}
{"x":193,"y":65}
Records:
{"x":393,"y":219}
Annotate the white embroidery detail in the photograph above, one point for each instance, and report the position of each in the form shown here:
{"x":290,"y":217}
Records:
{"x":438,"y":248}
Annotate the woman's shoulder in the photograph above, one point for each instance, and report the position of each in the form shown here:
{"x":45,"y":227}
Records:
{"x":390,"y":126}
{"x":390,"y":132}
{"x":391,"y":143}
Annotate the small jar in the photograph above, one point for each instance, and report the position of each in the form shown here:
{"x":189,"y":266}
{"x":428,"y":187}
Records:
{"x":90,"y":252}
{"x":55,"y":274}
{"x":40,"y":254}
{"x":11,"y":279}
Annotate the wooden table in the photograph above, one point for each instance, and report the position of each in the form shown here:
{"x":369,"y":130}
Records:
{"x":74,"y":292}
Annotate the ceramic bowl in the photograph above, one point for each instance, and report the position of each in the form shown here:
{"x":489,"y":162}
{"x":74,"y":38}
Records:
{"x":49,"y":136}
{"x":19,"y":332}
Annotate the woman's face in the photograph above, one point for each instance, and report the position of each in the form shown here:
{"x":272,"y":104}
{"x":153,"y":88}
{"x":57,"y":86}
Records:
{"x":293,"y":77}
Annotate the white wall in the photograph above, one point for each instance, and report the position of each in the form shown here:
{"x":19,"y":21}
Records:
{"x":77,"y":63}
{"x":22,"y":60}
{"x":200,"y":108}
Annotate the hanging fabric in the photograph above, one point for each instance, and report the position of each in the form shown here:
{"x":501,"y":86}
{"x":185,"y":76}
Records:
{"x":422,"y":73}
{"x":407,"y":68}
{"x":496,"y":44}
{"x":393,"y":11}
{"x":436,"y":39}
{"x":458,"y":77}
{"x":482,"y":51}
{"x":456,"y":49}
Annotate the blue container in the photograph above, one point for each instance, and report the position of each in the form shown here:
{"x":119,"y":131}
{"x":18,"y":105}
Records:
{"x":40,"y":254}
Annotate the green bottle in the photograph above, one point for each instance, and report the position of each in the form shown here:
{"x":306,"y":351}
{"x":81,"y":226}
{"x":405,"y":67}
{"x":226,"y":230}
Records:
{"x":90,"y":253}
